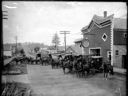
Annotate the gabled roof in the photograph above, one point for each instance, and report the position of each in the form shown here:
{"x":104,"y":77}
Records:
{"x":84,"y":28}
{"x":76,"y":49}
{"x":70,"y":50}
{"x":61,"y":48}
{"x":99,"y":19}
{"x":119,"y":23}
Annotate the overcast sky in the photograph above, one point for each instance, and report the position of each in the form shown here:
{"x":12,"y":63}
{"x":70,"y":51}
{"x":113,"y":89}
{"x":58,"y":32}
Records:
{"x":38,"y":21}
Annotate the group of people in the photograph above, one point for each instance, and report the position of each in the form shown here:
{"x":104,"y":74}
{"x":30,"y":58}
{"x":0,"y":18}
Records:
{"x":106,"y":67}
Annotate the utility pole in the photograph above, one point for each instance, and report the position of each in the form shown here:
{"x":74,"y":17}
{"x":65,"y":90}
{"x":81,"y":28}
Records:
{"x":16,"y":45}
{"x":65,"y":33}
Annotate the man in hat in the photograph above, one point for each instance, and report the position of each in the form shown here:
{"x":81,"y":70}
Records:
{"x":105,"y":70}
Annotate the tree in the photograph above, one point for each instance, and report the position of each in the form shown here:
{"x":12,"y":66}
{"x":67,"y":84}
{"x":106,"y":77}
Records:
{"x":55,"y":40}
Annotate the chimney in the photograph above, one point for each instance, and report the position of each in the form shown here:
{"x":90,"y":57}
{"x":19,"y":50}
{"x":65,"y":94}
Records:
{"x":105,"y":14}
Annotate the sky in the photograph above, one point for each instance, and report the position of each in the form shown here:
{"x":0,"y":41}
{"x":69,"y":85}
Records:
{"x":39,"y":21}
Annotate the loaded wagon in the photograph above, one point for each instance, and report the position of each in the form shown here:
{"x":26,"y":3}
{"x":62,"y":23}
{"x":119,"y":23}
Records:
{"x":97,"y":62}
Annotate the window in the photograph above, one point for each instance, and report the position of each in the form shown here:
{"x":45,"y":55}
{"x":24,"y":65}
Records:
{"x":95,"y":52}
{"x":109,"y":55}
{"x":125,"y":35}
{"x":104,"y":37}
{"x":117,"y":52}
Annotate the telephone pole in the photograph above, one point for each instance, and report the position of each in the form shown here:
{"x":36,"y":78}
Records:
{"x":65,"y":33}
{"x":16,"y":45}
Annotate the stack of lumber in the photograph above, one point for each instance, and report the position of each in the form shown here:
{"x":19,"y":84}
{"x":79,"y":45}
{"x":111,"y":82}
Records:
{"x":15,"y":89}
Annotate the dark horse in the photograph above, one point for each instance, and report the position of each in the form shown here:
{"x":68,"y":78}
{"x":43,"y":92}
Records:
{"x":81,"y":67}
{"x":67,"y":64}
{"x":55,"y":63}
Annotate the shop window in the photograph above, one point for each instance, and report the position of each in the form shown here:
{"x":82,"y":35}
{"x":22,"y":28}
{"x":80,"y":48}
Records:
{"x":95,"y":52}
{"x":117,"y":52}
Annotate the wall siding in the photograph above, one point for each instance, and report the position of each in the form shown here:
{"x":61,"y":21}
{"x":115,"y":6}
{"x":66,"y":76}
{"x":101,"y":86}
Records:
{"x":95,"y":40}
{"x":119,"y":37}
{"x":117,"y":59}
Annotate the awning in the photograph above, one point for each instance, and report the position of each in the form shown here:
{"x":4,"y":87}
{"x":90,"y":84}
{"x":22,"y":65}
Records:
{"x":79,"y":40}
{"x":96,"y":56}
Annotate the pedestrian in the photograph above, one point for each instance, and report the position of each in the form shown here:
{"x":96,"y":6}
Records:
{"x":50,"y":59}
{"x":111,"y":72}
{"x":106,"y":70}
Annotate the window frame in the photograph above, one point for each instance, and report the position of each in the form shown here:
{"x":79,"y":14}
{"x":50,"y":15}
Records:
{"x":116,"y":52}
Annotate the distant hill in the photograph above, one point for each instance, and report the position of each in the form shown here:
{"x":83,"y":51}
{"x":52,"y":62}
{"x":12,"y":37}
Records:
{"x":30,"y":46}
{"x":27,"y":46}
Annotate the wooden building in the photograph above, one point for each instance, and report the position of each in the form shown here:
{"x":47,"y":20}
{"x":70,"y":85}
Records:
{"x":74,"y":50}
{"x":119,"y":43}
{"x":104,"y":36}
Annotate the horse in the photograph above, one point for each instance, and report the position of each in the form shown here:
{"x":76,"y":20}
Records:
{"x":55,"y":63}
{"x":67,"y":64}
{"x":33,"y":60}
{"x":45,"y":61}
{"x":81,"y":67}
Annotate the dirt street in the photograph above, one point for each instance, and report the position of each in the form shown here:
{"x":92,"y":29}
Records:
{"x":46,"y":81}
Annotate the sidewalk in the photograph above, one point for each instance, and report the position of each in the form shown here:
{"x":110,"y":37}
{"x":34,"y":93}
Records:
{"x":17,"y":78}
{"x":119,"y":70}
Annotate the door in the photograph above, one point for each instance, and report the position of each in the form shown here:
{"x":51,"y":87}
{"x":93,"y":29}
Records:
{"x":109,"y":55}
{"x":124,"y":61}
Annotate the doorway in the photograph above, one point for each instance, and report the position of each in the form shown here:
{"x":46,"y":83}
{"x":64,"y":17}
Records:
{"x":124,"y":58}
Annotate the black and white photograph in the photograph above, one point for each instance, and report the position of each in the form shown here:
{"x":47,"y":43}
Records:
{"x":64,"y":48}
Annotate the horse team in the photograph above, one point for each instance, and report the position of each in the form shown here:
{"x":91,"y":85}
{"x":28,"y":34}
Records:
{"x":81,"y":65}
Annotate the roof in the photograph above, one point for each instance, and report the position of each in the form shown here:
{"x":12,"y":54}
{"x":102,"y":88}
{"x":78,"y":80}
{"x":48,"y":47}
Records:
{"x":76,"y":49}
{"x":84,"y":28}
{"x":7,"y":61}
{"x":96,"y":56}
{"x":61,"y":48}
{"x":78,"y":40}
{"x":119,"y":23}
{"x":100,"y":19}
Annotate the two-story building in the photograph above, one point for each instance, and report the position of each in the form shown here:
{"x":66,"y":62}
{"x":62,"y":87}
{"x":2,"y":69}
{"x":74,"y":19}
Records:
{"x":106,"y":36}
{"x":119,"y":43}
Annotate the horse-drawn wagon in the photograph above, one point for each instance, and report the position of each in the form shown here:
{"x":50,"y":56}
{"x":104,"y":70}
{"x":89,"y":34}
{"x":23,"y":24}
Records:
{"x":82,"y":64}
{"x":97,"y":62}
